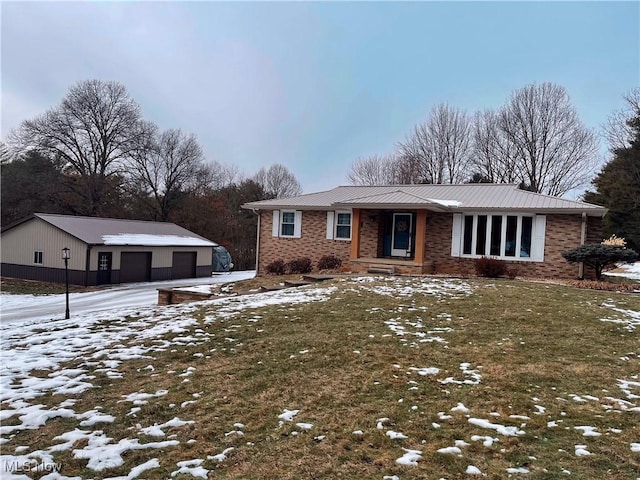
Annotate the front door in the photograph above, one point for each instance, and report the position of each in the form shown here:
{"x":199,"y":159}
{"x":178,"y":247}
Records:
{"x":104,"y":268}
{"x":401,"y":235}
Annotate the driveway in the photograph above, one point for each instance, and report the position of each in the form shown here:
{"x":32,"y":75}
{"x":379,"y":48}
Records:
{"x":25,"y":308}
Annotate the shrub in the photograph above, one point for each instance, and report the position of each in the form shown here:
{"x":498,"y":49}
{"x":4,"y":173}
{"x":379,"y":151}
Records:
{"x":277,"y":267}
{"x":490,"y":267}
{"x":329,"y":262}
{"x":300,"y":265}
{"x":600,"y":257}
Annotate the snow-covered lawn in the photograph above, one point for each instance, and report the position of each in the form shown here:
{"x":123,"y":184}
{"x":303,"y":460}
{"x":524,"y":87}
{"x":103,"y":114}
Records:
{"x":367,"y":377}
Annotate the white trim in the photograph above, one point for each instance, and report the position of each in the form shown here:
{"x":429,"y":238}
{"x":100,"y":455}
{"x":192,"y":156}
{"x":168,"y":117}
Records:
{"x":336,"y":224}
{"x":330,"y":220}
{"x":275,"y":229}
{"x":297,"y":224}
{"x":35,"y":255}
{"x":456,"y":235}
{"x":538,"y":238}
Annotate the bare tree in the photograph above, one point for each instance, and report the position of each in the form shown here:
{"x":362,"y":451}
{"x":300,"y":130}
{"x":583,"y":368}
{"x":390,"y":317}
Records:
{"x":441,"y":146}
{"x":278,"y":182}
{"x":374,"y":170}
{"x":219,"y":175}
{"x":618,"y":132}
{"x":494,"y":158}
{"x":554,"y":151}
{"x":167,"y":165}
{"x":93,"y":130}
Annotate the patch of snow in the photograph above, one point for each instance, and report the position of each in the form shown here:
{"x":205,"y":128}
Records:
{"x":501,"y":429}
{"x":410,"y":457}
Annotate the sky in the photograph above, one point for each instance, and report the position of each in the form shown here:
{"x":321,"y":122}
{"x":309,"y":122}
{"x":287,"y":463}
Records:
{"x":314,"y":85}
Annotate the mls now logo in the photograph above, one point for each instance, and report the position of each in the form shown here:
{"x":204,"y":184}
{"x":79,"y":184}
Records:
{"x":31,"y":465}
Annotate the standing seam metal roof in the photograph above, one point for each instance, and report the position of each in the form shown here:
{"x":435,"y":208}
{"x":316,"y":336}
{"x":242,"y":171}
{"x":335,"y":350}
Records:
{"x":476,"y":196}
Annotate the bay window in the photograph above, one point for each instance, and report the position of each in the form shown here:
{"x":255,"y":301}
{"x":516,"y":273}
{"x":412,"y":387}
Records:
{"x":515,"y":237}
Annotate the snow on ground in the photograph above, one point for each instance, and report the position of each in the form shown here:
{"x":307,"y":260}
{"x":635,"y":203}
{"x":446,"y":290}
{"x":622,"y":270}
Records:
{"x":105,"y":340}
{"x":627,"y":270}
{"x":20,"y":308}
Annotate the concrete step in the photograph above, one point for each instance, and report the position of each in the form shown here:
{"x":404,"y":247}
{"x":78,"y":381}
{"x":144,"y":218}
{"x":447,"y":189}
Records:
{"x":383,"y":269}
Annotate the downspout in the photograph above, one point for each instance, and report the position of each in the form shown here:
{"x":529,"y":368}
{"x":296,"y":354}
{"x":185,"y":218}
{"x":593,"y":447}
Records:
{"x":257,"y":241}
{"x":583,"y":238}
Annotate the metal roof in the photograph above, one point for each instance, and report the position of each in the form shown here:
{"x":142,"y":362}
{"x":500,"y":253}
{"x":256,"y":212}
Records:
{"x":464,"y":197}
{"x":111,"y":231}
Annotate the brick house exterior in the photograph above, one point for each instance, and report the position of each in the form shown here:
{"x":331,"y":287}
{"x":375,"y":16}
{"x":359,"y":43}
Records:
{"x":445,"y":229}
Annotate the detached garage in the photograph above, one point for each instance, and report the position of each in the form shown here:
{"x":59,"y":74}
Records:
{"x":103,"y":250}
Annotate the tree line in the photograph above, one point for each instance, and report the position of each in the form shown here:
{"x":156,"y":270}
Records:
{"x":94,"y":154}
{"x":535,"y":139}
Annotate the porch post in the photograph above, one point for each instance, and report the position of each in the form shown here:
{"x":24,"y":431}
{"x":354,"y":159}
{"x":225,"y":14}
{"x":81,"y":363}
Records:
{"x":421,"y":231}
{"x":355,"y":234}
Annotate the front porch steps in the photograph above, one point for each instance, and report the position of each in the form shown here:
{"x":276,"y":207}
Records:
{"x":382,"y":269}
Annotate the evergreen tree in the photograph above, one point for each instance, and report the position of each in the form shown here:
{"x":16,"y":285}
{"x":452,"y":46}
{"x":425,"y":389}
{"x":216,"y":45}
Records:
{"x":618,"y":189}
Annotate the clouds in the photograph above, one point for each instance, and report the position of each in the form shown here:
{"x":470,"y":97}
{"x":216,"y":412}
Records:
{"x":312,"y":85}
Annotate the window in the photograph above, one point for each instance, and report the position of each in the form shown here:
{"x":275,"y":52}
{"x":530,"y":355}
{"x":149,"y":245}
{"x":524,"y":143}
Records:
{"x":37,"y":257}
{"x":339,"y":225}
{"x":287,"y":224}
{"x":502,"y":236}
{"x":343,"y":226}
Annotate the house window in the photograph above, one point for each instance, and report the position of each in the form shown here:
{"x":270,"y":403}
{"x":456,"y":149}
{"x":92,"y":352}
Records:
{"x":287,"y":224}
{"x":501,"y":236}
{"x":343,"y":226}
{"x":37,"y":257}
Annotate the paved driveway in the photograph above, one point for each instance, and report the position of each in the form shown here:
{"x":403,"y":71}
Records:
{"x":17,"y":308}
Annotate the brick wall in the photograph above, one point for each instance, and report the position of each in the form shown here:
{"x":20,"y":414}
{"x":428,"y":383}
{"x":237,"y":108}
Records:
{"x":562,"y":233}
{"x":312,"y":243}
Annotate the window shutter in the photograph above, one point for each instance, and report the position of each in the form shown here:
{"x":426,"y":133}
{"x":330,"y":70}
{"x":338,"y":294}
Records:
{"x":275,"y":231}
{"x":537,"y":247}
{"x":297,"y":226}
{"x":456,"y":235}
{"x":330,"y":219}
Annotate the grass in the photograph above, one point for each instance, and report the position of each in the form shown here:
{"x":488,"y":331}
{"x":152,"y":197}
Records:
{"x":33,"y":287}
{"x":344,"y":368}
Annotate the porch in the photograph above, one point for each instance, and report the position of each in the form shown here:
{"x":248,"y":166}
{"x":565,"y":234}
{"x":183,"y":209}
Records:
{"x":392,"y":241}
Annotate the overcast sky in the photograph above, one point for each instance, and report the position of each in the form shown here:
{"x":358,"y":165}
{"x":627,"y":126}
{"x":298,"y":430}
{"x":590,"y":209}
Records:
{"x":314,"y":85}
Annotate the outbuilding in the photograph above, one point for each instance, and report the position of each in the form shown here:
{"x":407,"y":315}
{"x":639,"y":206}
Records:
{"x":102,"y":250}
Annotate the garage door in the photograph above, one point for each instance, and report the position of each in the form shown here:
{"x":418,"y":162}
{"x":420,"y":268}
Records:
{"x":184,"y":265}
{"x":135,"y":267}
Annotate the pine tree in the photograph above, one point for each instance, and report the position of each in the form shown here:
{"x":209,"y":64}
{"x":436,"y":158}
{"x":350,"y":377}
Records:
{"x":618,"y":189}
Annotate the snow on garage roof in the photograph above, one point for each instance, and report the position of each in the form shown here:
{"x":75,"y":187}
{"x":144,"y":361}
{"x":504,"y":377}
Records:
{"x":112,"y":231}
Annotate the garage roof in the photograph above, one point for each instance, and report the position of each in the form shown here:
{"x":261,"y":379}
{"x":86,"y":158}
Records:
{"x":112,"y":231}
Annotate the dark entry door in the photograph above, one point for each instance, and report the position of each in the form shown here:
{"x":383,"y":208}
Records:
{"x":135,"y":267}
{"x":401,"y":235}
{"x":104,"y":268}
{"x":184,"y":265}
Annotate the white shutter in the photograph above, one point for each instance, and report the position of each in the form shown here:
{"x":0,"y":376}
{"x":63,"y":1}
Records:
{"x":297,"y":226}
{"x":330,"y":219}
{"x":275,"y":231}
{"x":456,"y":234}
{"x":537,"y":247}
